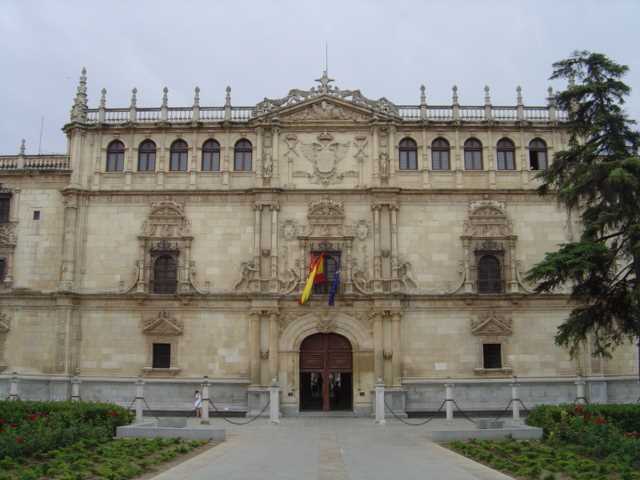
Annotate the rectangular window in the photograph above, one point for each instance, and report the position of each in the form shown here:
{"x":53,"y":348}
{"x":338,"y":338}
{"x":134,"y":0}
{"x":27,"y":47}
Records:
{"x":408,"y":160}
{"x":492,"y":355}
{"x":537,"y":160}
{"x":210,"y":161}
{"x":36,"y":214}
{"x":330,"y":266}
{"x":472,"y":160}
{"x":506,"y":160}
{"x":178,"y":162}
{"x":5,"y":203}
{"x":161,"y":355}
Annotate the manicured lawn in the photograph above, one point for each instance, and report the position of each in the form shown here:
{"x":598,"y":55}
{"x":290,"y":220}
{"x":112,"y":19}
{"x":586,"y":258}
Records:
{"x":113,"y":460}
{"x":598,"y":442}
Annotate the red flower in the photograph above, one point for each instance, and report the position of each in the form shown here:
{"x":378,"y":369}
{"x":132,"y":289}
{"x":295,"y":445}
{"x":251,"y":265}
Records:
{"x":579,"y":409}
{"x":19,"y":440}
{"x":2,"y":421}
{"x":113,"y":413}
{"x":33,"y":417}
{"x":600,"y":421}
{"x":13,"y":425}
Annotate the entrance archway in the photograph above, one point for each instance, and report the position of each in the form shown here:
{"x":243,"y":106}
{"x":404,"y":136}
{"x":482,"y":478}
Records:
{"x":326,"y":372}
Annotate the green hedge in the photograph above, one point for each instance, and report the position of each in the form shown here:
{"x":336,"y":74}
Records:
{"x":625,"y":417}
{"x":29,"y":428}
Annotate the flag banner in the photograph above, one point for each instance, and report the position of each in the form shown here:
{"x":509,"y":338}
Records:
{"x":316,"y":265}
{"x":334,"y":288}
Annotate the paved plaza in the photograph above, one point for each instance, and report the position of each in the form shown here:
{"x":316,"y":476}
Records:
{"x":326,"y":448}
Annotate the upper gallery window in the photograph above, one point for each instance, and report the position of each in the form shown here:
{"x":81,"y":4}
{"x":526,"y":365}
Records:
{"x":440,"y":154}
{"x":211,"y":156}
{"x":408,"y":154}
{"x":115,"y":156}
{"x":147,"y":156}
{"x":489,"y":275}
{"x":472,"y":154}
{"x":161,"y":355}
{"x":5,"y":206}
{"x":537,"y":154}
{"x":492,"y":355}
{"x":330,"y":265}
{"x":165,"y":274}
{"x":242,"y":156}
{"x":506,"y":155}
{"x":179,"y":156}
{"x":3,"y":268}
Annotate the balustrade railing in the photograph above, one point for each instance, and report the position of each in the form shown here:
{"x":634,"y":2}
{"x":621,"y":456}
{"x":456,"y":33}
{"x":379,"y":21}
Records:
{"x":35,"y":162}
{"x":472,"y":113}
{"x":212,"y":114}
{"x":241,"y":114}
{"x":509,"y":114}
{"x":536,"y":114}
{"x":179,"y":114}
{"x":409,"y":112}
{"x":116,"y":115}
{"x":148,"y":115}
{"x":440,"y":113}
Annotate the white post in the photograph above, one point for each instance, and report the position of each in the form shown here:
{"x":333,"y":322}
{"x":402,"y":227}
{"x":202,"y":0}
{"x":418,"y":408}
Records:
{"x":580,"y":398}
{"x":13,"y":387}
{"x":204,"y":406}
{"x":274,"y":402}
{"x":139,"y":400}
{"x":448,"y":396}
{"x":515,"y":401}
{"x":75,"y":389}
{"x":380,"y":402}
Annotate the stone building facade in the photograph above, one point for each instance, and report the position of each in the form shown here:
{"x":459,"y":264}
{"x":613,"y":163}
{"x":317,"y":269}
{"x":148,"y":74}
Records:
{"x":173,"y":243}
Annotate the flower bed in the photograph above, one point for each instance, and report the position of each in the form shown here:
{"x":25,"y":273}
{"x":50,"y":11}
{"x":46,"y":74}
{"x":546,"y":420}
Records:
{"x":582,"y":443}
{"x":74,"y":441}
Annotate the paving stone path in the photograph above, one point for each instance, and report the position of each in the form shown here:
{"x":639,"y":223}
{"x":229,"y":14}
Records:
{"x":324,"y":448}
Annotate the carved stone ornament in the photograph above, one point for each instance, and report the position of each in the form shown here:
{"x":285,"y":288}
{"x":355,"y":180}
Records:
{"x":5,"y":323}
{"x":8,"y":234}
{"x":326,"y":211}
{"x":163,"y":324}
{"x":361,"y":229}
{"x":492,"y":324}
{"x":167,"y":220}
{"x":354,"y":97}
{"x":324,"y":110}
{"x":487,"y":219}
{"x":326,"y":323}
{"x":290,"y":230}
{"x":324,"y":155}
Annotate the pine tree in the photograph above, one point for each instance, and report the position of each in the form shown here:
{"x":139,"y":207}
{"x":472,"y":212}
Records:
{"x":598,"y":175}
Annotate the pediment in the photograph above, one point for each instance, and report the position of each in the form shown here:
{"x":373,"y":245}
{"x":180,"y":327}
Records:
{"x":162,"y":324}
{"x":491,"y":324}
{"x":325,"y":109}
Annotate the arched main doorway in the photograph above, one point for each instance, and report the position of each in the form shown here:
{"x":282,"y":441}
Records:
{"x":326,"y":373}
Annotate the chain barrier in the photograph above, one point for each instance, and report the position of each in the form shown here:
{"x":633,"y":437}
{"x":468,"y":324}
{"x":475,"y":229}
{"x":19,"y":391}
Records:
{"x":524,"y":408}
{"x":398,"y":417}
{"x":584,"y":400}
{"x":464,"y":414}
{"x":149,"y":409}
{"x":232,"y":422}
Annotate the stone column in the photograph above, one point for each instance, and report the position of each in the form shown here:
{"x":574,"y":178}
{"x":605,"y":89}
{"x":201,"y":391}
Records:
{"x":388,"y":353}
{"x":374,"y":151}
{"x":139,"y":401}
{"x":275,"y":148}
{"x":259,"y":151}
{"x":393,"y":214}
{"x":396,"y":361}
{"x":448,"y":395}
{"x":204,"y":418}
{"x":378,"y":346}
{"x":513,"y":282}
{"x":254,"y":347}
{"x":69,"y":243}
{"x":273,"y":345}
{"x":257,"y":233}
{"x":75,"y":389}
{"x":274,"y":403}
{"x":468,"y":284}
{"x":379,"y":405}
{"x":377,"y":261}
{"x":275,"y":207}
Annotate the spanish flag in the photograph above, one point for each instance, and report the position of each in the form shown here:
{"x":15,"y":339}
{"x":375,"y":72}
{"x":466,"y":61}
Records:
{"x":316,"y":272}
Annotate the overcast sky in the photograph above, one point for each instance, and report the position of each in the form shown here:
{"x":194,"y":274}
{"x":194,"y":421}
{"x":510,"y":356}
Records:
{"x":264,"y":48}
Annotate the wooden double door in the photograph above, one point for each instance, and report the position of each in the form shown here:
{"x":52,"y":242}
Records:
{"x":326,"y":381}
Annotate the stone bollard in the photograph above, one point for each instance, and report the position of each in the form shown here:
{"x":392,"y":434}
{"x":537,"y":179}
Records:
{"x":274,"y":402}
{"x":139,"y":400}
{"x":380,"y":403}
{"x":13,"y":387}
{"x":580,"y":398}
{"x":448,"y":396}
{"x":75,"y":389}
{"x":204,"y":406}
{"x":515,"y":401}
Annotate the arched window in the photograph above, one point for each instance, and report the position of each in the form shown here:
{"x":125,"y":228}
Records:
{"x":408,"y":154}
{"x":165,"y":274}
{"x":242,"y":156}
{"x":211,"y":156}
{"x":179,"y":156}
{"x":537,"y":154}
{"x":440,"y":154}
{"x":489,"y":275}
{"x":115,"y":156}
{"x":147,"y":156}
{"x":506,"y":155}
{"x":3,"y":268}
{"x":472,"y":154}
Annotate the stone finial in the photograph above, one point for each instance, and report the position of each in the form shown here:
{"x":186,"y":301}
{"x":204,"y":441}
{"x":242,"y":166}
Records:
{"x":487,"y":95}
{"x":551,"y":99}
{"x":423,"y":95}
{"x":23,"y":146}
{"x":227,"y":98}
{"x":103,"y":98}
{"x":455,"y":95}
{"x":79,"y":110}
{"x":165,"y":97}
{"x":519,"y":95}
{"x":134,"y":97}
{"x":196,"y":97}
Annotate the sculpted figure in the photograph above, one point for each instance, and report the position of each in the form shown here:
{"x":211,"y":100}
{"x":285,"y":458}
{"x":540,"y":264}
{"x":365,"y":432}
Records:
{"x":248,"y":272}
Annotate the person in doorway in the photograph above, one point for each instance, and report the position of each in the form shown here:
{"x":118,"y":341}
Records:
{"x":197,"y":403}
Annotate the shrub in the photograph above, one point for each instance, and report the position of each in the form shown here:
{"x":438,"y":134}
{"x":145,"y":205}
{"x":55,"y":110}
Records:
{"x":625,"y":417}
{"x":29,"y":428}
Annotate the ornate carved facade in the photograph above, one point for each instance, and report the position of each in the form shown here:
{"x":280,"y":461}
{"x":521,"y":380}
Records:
{"x":427,"y":260}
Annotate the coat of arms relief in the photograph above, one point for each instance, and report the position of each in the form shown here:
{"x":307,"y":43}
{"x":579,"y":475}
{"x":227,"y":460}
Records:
{"x":324,"y":154}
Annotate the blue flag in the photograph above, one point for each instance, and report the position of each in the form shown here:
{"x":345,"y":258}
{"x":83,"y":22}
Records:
{"x":334,"y":288}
